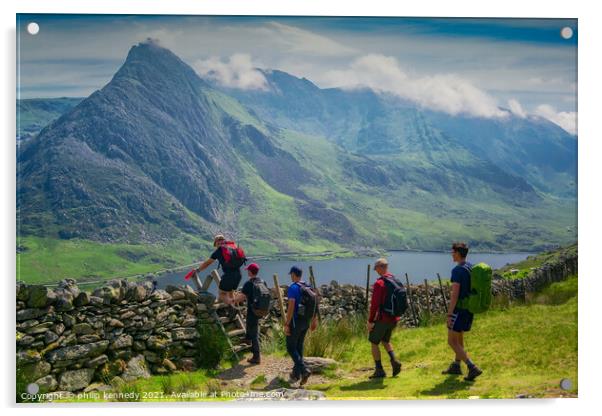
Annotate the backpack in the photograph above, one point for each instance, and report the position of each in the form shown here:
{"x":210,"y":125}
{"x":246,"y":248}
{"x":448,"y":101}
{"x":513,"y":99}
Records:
{"x":308,"y":306}
{"x":396,"y":299}
{"x":234,"y":256}
{"x":479,"y":299}
{"x":261,"y":301}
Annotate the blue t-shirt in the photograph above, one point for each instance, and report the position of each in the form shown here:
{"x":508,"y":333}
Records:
{"x":294,"y":292}
{"x":462,"y":276}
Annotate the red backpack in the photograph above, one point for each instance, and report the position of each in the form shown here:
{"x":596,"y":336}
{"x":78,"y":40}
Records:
{"x":234,"y":256}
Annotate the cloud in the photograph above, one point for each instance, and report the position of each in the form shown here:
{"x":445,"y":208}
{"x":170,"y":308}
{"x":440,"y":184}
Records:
{"x":565,"y":119}
{"x":298,"y":40}
{"x":516,"y":108}
{"x":443,"y":92}
{"x":238,"y":71}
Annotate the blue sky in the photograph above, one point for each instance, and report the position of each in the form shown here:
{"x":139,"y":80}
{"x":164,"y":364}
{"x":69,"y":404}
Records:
{"x":468,"y":66}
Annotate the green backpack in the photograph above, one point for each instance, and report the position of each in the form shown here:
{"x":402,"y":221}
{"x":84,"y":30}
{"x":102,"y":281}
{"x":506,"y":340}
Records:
{"x":479,"y":299}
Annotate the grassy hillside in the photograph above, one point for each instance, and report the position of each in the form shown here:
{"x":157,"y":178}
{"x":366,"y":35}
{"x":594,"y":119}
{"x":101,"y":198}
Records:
{"x":524,"y":350}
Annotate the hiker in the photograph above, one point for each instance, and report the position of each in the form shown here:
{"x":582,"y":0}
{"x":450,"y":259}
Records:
{"x":459,"y":320}
{"x":230,"y":258}
{"x":380,"y":322}
{"x":259,"y":300}
{"x":301,"y":315}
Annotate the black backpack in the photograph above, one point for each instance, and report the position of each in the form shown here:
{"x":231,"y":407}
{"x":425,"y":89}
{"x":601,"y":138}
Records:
{"x":396,"y":300}
{"x":308,"y":306}
{"x":261,"y":302}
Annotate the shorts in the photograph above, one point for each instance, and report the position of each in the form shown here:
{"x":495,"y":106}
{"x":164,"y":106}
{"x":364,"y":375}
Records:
{"x":230,"y":282}
{"x":461,"y":320}
{"x":381,"y":332}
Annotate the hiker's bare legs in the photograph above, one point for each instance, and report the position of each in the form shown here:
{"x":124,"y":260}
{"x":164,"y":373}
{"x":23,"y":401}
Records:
{"x":375,"y":352}
{"x":456,"y":342}
{"x":388,"y":346}
{"x":225,"y":297}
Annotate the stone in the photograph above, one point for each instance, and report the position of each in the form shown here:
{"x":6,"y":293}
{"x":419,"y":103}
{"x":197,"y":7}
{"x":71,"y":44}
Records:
{"x":50,"y":337}
{"x":152,"y":356}
{"x":28,"y":357}
{"x":139,"y":346}
{"x":39,"y":329}
{"x":318,"y":364}
{"x":157,"y":343}
{"x":77,"y":351}
{"x":47,"y":384}
{"x":123,"y":341}
{"x":25,"y":340}
{"x":116,"y":323}
{"x":86,"y":339}
{"x":83,"y":328}
{"x":69,"y":320}
{"x":64,"y":301}
{"x":95,"y":362}
{"x":82,"y":299}
{"x":40,"y":296}
{"x":184,"y":333}
{"x":127,"y":315}
{"x":136,"y":368}
{"x":98,"y":387}
{"x":76,"y":379}
{"x":169,"y":365}
{"x":22,"y":292}
{"x":34,"y":371}
{"x":177,"y":295}
{"x":137,"y":293}
{"x":69,"y":285}
{"x":59,"y":328}
{"x":31,"y":313}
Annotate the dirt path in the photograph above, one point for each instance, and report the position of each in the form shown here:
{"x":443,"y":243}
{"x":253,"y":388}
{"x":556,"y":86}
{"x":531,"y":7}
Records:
{"x":275,"y":370}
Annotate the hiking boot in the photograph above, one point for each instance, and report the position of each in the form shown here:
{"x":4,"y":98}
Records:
{"x":473,"y":373}
{"x":396,"y":366}
{"x":378,"y":373}
{"x":254,"y":360}
{"x":292,"y":378}
{"x":304,"y":378}
{"x":453,"y":369}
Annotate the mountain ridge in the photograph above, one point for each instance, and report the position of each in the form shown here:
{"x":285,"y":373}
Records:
{"x":158,"y":152}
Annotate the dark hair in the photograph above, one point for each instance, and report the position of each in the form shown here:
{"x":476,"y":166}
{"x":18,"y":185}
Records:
{"x":460,"y":248}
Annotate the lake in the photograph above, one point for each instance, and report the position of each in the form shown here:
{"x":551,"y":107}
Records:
{"x":418,"y":266}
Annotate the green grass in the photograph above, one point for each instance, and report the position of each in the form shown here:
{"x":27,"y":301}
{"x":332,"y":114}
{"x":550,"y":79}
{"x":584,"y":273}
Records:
{"x":523,"y":350}
{"x":44,"y":260}
{"x":524,"y":267}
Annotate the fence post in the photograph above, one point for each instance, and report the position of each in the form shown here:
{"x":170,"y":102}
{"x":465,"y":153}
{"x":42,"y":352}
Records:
{"x":410,"y":300}
{"x":428,"y":296}
{"x":442,"y":292}
{"x":312,"y":281}
{"x":280,"y":301}
{"x":367,"y":287}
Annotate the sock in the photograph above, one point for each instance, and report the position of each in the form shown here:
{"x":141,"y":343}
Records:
{"x":469,"y":363}
{"x":457,"y":362}
{"x":378,"y":364}
{"x":391,"y":355}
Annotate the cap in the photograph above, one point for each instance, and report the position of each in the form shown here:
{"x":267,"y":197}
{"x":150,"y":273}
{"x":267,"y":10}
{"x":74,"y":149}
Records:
{"x":218,"y":237}
{"x":253,"y":268}
{"x":381,"y":262}
{"x":296,"y":270}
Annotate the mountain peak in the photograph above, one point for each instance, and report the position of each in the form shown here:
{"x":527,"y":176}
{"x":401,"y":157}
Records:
{"x":150,"y":57}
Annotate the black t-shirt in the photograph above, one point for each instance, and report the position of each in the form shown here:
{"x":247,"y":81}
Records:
{"x":217,"y":255}
{"x":247,"y":290}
